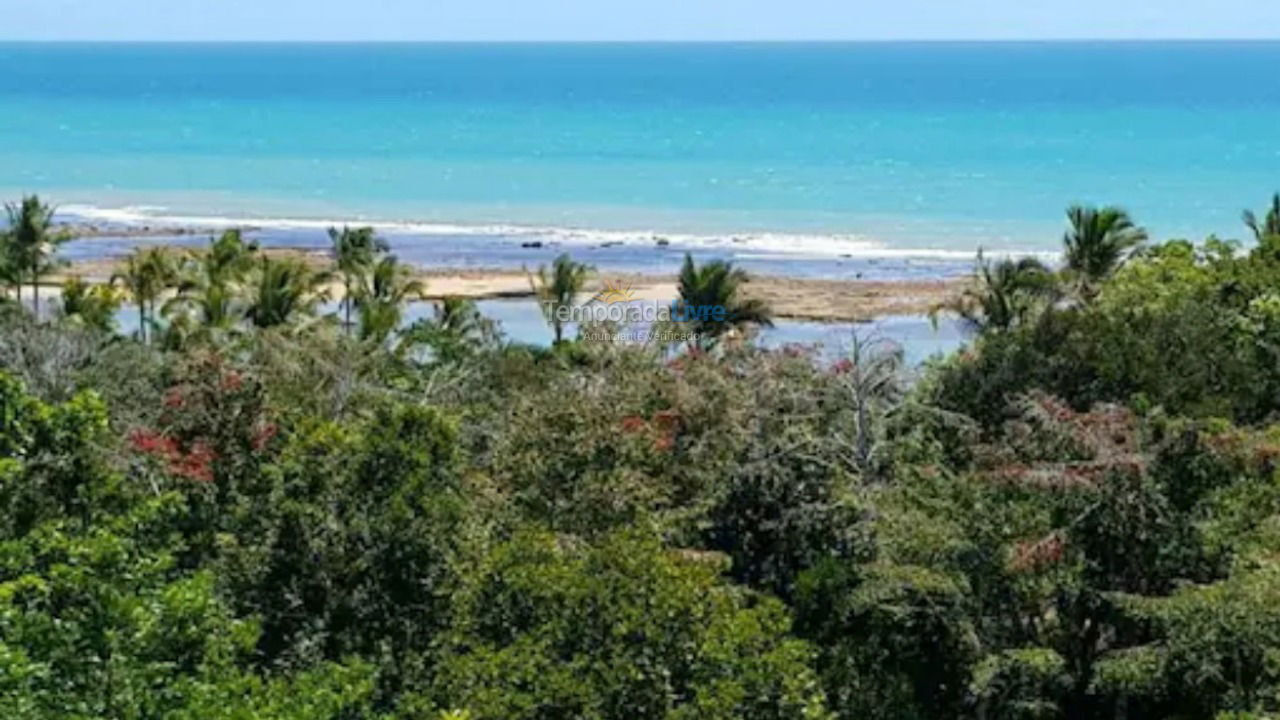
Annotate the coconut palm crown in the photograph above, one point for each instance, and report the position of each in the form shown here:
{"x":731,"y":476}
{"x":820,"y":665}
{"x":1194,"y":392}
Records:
{"x":556,"y":289}
{"x":145,"y":275}
{"x":209,"y":297}
{"x":90,"y":306}
{"x":1097,"y":243}
{"x":1006,"y":293}
{"x":710,"y":303}
{"x":1269,"y":226}
{"x":355,"y":250}
{"x":31,"y":244}
{"x":284,"y":292}
{"x":381,"y":296}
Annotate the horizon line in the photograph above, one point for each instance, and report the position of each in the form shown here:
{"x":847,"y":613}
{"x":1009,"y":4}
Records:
{"x":655,"y":41}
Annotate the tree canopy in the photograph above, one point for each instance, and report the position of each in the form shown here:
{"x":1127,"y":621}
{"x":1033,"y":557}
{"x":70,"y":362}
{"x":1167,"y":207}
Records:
{"x":249,"y":512}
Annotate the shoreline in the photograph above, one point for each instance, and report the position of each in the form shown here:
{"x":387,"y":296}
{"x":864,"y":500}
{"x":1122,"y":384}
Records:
{"x":92,"y":222}
{"x":791,"y":298}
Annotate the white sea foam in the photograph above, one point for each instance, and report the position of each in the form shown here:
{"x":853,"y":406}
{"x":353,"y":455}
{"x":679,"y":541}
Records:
{"x":748,"y":244}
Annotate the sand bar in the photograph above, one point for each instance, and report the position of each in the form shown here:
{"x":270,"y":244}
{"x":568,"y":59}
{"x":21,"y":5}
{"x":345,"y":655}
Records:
{"x":813,"y":299}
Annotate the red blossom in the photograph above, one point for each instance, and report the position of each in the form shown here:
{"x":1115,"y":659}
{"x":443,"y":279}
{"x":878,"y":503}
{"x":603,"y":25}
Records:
{"x":196,"y":465}
{"x":154,"y":443}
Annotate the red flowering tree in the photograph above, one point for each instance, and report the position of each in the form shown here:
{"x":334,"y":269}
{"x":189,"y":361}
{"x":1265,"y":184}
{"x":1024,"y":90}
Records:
{"x":213,"y":428}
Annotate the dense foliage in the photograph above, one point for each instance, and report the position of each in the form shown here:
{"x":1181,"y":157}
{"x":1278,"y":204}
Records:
{"x":249,"y":509}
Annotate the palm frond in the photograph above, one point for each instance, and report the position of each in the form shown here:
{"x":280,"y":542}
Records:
{"x":1097,"y":243}
{"x":710,"y":302}
{"x":556,"y":289}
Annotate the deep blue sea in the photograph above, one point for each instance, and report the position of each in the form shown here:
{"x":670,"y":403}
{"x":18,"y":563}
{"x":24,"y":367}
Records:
{"x":835,"y":155}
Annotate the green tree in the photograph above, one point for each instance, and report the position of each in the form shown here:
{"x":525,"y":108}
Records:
{"x":354,"y":250}
{"x":711,"y":305}
{"x":228,"y":257}
{"x":1005,"y":294}
{"x":557,"y":288}
{"x":461,"y":318}
{"x":894,"y":638}
{"x":353,"y":544}
{"x":93,"y":306}
{"x":621,"y":629}
{"x":381,"y":296}
{"x":10,"y":269}
{"x":33,"y":242}
{"x":98,"y":618}
{"x":1214,"y":648}
{"x":1098,"y":242}
{"x":213,"y":283}
{"x":457,"y":330}
{"x":284,"y":292}
{"x":49,"y":454}
{"x":1269,"y":227}
{"x":147,"y":274}
{"x":1214,"y":303}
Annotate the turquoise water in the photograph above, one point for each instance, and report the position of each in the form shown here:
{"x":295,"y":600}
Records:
{"x":918,"y":151}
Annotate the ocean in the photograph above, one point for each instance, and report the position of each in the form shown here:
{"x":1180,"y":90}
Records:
{"x":827,"y":159}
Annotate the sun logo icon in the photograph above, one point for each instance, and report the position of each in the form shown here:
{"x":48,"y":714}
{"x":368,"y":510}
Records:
{"x":615,"y":291}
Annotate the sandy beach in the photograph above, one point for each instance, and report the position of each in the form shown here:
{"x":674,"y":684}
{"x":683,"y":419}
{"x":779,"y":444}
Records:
{"x":812,"y":299}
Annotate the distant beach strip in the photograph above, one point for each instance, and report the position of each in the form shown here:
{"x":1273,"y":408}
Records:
{"x":818,"y":300}
{"x":106,"y":233}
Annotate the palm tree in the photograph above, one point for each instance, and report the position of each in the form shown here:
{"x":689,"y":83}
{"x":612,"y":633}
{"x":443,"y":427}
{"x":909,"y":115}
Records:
{"x":1098,"y":242}
{"x":557,"y":289}
{"x":213,"y":281}
{"x":10,"y":271}
{"x":283,"y":292}
{"x":93,"y":306}
{"x":456,"y":330}
{"x":710,"y":303}
{"x":355,"y":250}
{"x":32,"y":242}
{"x":381,"y":297}
{"x":1006,"y":294}
{"x":147,"y":273}
{"x":229,"y":257}
{"x":212,"y":306}
{"x":1270,"y":226}
{"x":461,"y":318}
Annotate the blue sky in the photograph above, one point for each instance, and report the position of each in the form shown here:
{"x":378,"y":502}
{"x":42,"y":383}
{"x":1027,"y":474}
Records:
{"x":633,"y":19}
